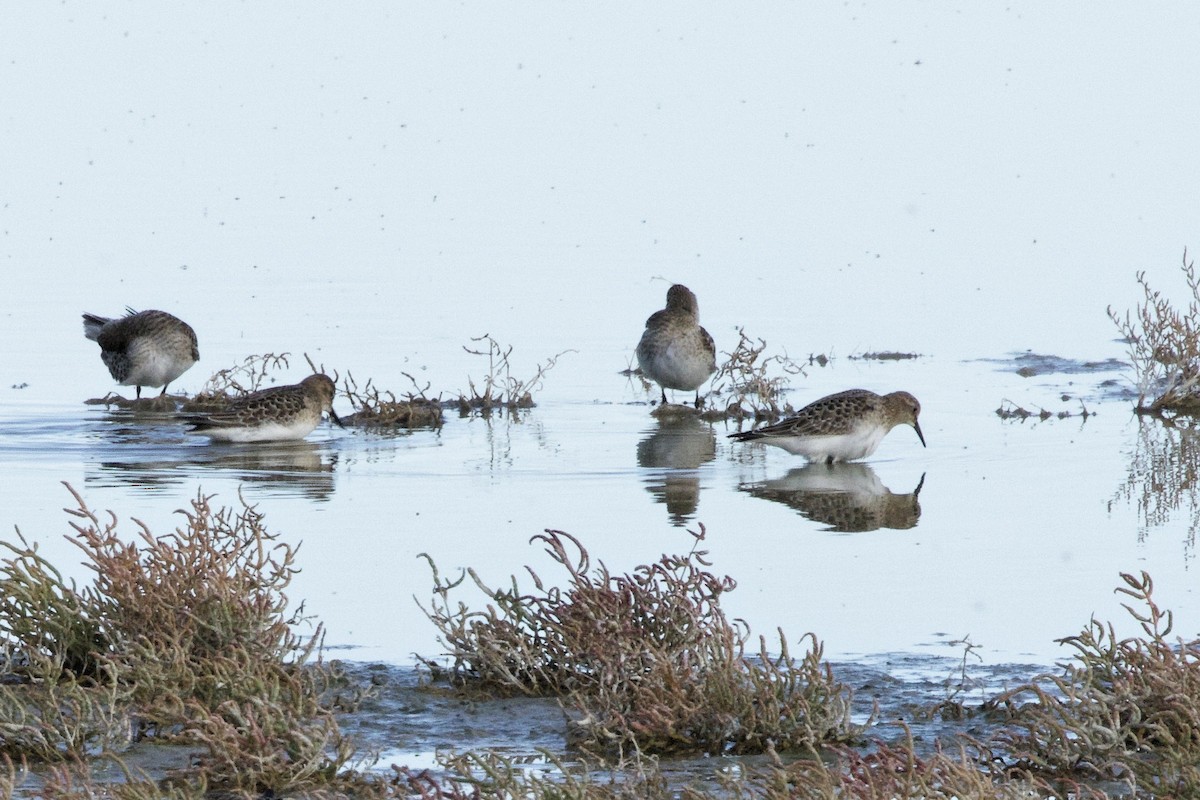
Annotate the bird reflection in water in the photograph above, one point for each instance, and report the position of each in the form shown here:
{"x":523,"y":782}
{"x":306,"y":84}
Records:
{"x":295,"y":467}
{"x":846,"y":497}
{"x":675,"y":450}
{"x":299,"y":468}
{"x":152,"y":451}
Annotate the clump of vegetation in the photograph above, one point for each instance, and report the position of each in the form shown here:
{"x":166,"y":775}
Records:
{"x":1127,"y":710}
{"x":189,"y":638}
{"x":11,"y":775}
{"x":500,"y":389}
{"x":252,"y":374}
{"x":884,"y":772}
{"x":183,"y":637}
{"x":202,"y":607}
{"x":53,"y":698}
{"x":1010,"y":410}
{"x":1164,"y":347}
{"x":646,"y":661}
{"x":750,"y":385}
{"x":894,"y":772}
{"x":156,"y":403}
{"x":376,"y":408}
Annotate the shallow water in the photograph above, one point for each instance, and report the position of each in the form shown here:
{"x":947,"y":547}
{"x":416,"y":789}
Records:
{"x":376,"y":187}
{"x":1016,"y":535}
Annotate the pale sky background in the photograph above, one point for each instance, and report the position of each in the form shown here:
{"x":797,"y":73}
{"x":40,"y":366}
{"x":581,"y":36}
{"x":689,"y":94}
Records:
{"x":960,"y":179}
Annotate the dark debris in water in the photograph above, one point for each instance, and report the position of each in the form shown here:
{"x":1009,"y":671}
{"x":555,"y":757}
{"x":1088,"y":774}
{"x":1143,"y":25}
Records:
{"x":1029,"y":364}
{"x":1116,"y":389}
{"x":885,"y":355}
{"x":1009,"y":410}
{"x":159,"y":403}
{"x":412,"y":413}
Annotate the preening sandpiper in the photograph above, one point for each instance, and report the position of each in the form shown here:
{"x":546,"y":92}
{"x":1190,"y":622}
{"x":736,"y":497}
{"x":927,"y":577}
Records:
{"x":143,"y":348}
{"x":841,"y":427}
{"x":275,"y":414}
{"x":675,"y":352}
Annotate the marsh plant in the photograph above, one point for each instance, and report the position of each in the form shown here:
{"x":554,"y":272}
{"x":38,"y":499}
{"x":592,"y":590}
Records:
{"x":189,"y":638}
{"x":1164,"y":347}
{"x":56,"y":700}
{"x":11,"y":775}
{"x":499,"y":388}
{"x":186,"y":636}
{"x":645,"y":661}
{"x":882,"y":772}
{"x":379,"y":408}
{"x":750,"y":384}
{"x":1127,"y":710}
{"x":895,"y":772}
{"x":254,"y":373}
{"x":476,"y":776}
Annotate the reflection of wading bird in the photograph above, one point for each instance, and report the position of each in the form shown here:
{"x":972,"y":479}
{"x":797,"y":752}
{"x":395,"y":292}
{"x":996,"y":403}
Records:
{"x":846,"y":497}
{"x":281,"y":412}
{"x":675,"y":352}
{"x":841,"y":427}
{"x":143,"y":348}
{"x":673,"y":454}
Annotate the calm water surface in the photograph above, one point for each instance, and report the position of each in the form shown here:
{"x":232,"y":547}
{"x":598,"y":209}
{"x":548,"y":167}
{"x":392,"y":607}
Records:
{"x":1016,"y":535}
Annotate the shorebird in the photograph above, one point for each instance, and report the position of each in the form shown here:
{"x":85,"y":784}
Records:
{"x":841,"y":427}
{"x":275,"y":414}
{"x":675,"y":352}
{"x":143,"y":348}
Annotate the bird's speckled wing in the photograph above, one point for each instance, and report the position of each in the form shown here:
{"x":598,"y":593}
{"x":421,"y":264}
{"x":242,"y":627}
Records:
{"x":278,"y":402}
{"x":830,"y":416}
{"x":710,"y":346}
{"x":118,"y":333}
{"x":660,"y":319}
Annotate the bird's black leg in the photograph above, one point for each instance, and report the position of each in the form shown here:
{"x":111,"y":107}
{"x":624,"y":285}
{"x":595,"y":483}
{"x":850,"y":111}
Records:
{"x":664,"y":394}
{"x":139,"y":391}
{"x":699,"y":402}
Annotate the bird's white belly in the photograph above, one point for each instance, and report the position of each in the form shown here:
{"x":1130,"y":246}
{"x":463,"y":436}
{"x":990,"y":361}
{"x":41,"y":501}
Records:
{"x":842,"y":447}
{"x":682,"y":368}
{"x":266,"y":432}
{"x":151,"y":366}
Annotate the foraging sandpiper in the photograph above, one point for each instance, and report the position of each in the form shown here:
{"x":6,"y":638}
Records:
{"x":143,"y":348}
{"x":841,"y":427}
{"x":675,"y":352}
{"x":275,"y":414}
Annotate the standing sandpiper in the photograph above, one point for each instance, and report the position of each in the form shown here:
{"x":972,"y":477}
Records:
{"x":675,"y":352}
{"x":841,"y":427}
{"x":143,"y":348}
{"x":275,"y":414}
